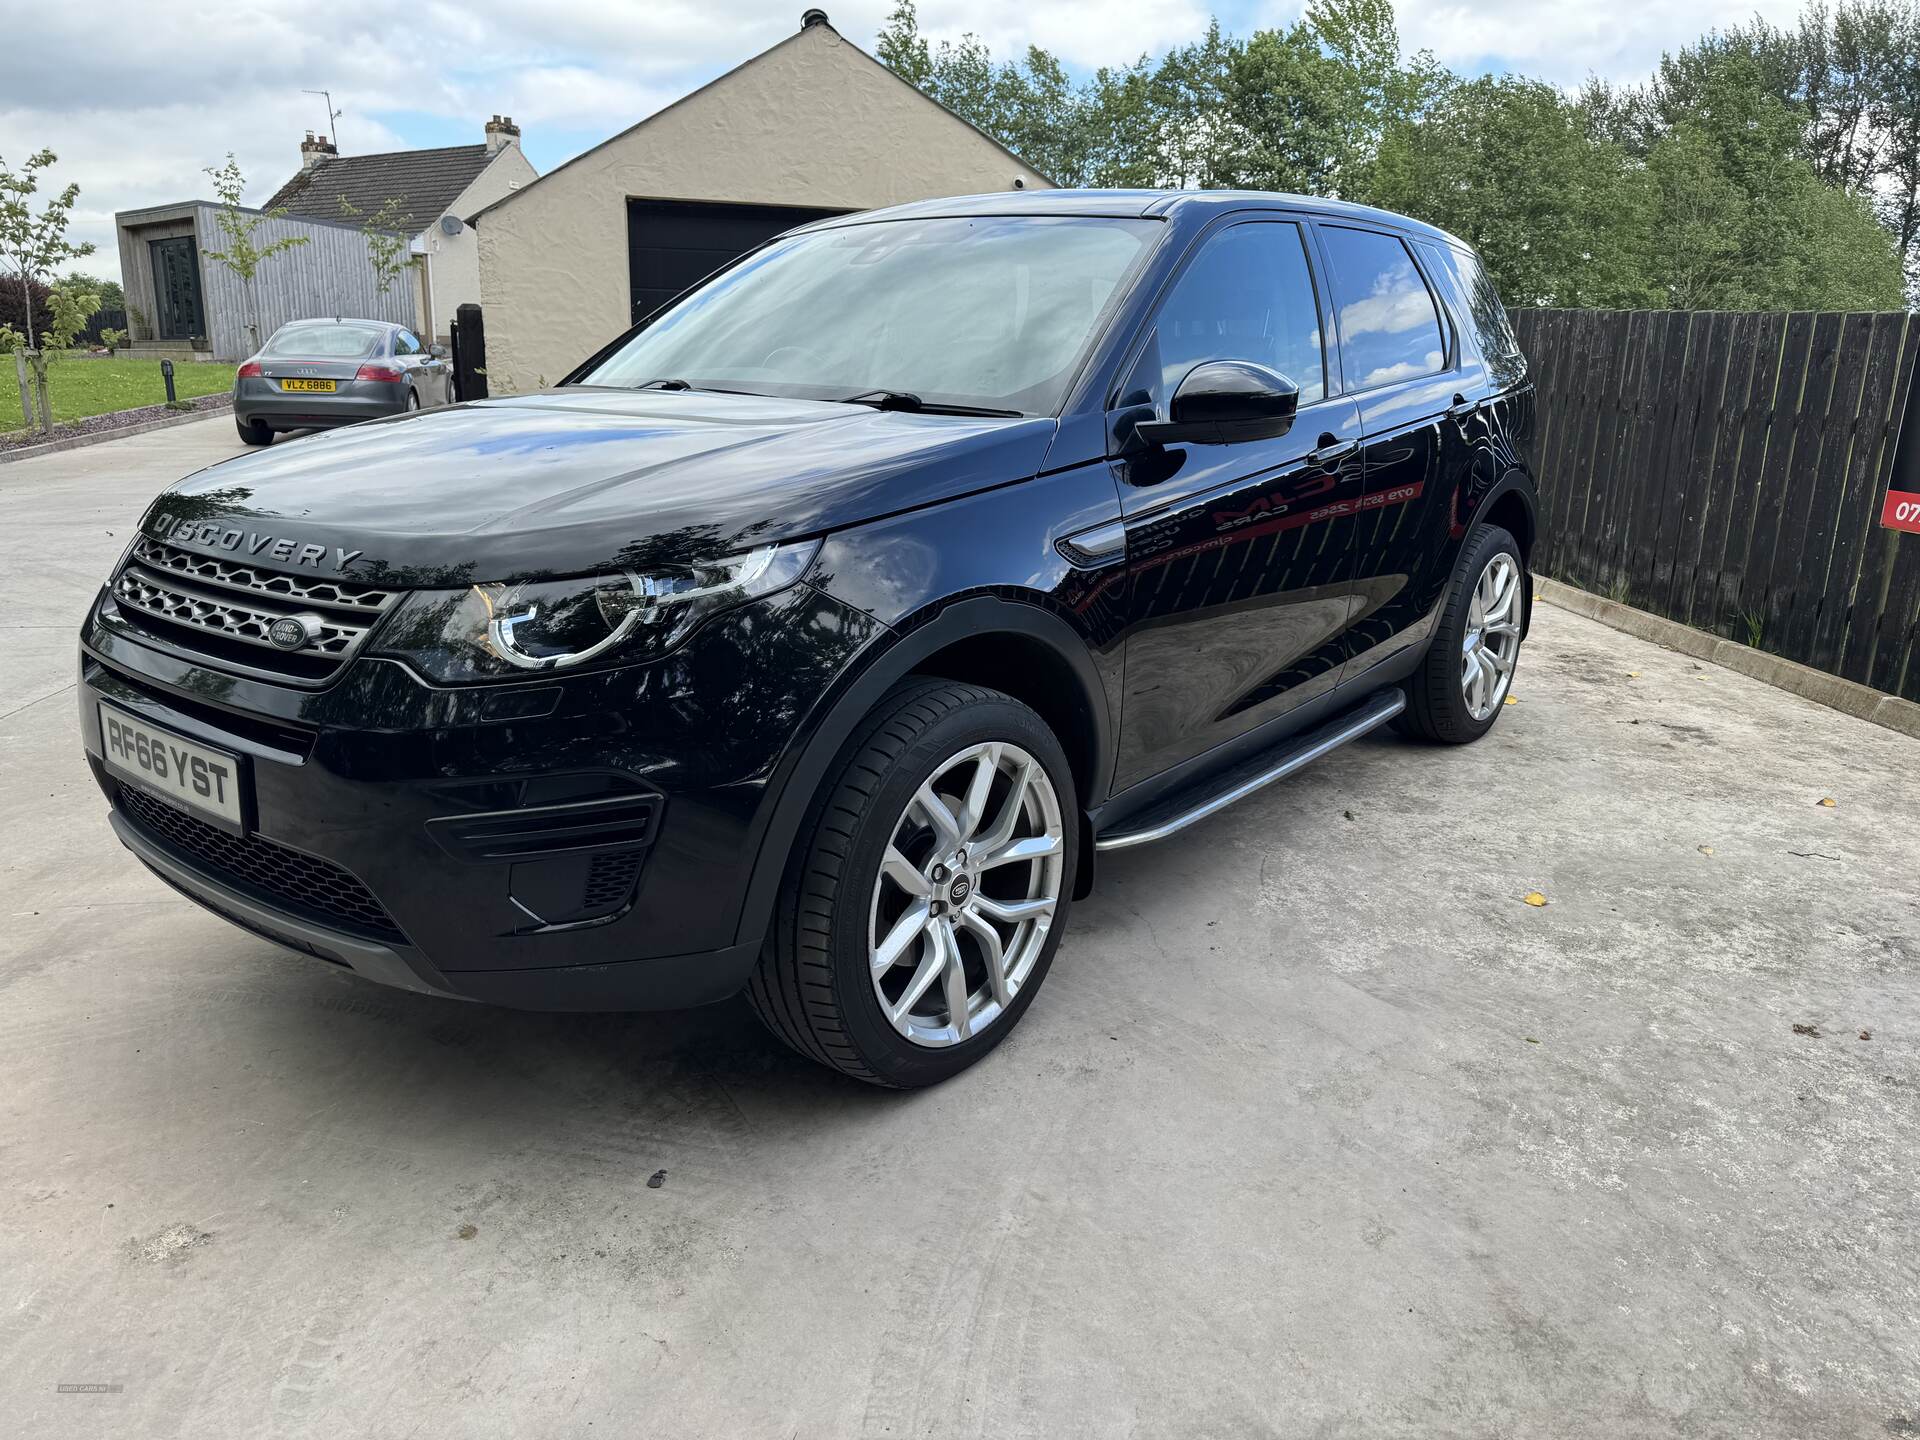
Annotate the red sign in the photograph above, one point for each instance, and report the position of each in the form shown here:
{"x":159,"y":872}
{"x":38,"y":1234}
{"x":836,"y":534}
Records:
{"x":1902,"y":511}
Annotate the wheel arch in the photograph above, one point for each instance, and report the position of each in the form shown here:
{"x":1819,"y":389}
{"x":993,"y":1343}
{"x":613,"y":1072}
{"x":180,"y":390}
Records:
{"x":1511,"y":506}
{"x":1009,"y":645}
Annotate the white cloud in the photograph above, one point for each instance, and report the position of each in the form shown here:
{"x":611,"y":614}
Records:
{"x":1083,"y":35}
{"x":1403,"y":370}
{"x":1565,"y":40}
{"x":155,"y":154}
{"x":191,"y":83}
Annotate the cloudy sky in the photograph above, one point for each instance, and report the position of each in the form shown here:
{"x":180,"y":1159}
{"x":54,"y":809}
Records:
{"x":137,"y":98}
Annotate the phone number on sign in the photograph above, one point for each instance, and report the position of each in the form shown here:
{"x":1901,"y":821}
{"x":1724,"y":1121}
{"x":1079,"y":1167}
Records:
{"x":1902,"y":511}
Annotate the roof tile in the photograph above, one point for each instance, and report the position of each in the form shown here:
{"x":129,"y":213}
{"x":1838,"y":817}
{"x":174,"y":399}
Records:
{"x":425,"y":182}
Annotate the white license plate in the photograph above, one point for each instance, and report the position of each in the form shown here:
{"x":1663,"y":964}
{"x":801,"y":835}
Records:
{"x":192,"y":775}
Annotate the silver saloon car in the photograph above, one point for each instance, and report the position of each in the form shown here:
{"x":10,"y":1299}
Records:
{"x":316,"y":374}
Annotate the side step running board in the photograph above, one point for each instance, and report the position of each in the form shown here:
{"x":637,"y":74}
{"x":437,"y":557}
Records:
{"x":1217,"y":792}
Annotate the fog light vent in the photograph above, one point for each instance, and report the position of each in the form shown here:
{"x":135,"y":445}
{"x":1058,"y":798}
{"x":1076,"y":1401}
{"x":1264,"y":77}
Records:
{"x":575,"y":889}
{"x":610,"y":880}
{"x":621,"y":823}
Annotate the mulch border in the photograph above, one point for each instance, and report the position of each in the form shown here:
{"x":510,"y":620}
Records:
{"x":205,"y":406}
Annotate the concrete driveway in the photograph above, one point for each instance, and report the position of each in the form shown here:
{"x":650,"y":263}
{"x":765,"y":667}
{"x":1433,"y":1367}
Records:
{"x":1317,"y":1129}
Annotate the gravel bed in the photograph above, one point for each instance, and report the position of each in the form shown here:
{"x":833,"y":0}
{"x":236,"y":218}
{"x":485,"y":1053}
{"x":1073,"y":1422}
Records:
{"x":113,"y":420}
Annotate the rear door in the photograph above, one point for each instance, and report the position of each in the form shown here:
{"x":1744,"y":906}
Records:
{"x":1400,"y":359}
{"x":1239,"y":555}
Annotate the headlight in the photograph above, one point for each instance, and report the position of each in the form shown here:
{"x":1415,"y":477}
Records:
{"x":491,"y":632}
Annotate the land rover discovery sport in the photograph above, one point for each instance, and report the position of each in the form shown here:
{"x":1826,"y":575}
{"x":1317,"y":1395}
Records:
{"x":815,"y":636}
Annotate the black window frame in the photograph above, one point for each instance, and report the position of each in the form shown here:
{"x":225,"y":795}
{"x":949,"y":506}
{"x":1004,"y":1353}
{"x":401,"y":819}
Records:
{"x":1303,"y":223}
{"x":1449,"y":335}
{"x":1445,"y":283}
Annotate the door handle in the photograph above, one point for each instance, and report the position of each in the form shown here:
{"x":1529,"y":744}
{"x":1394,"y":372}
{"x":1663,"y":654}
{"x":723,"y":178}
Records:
{"x":1461,"y":408}
{"x":1331,"y":451}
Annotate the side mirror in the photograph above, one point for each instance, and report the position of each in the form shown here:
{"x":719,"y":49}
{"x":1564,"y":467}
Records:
{"x":438,"y":352}
{"x":1222,"y":401}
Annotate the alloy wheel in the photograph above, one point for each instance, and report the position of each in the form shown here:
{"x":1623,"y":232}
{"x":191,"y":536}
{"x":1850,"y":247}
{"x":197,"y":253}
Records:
{"x":1492,"y":642}
{"x":968,"y":888}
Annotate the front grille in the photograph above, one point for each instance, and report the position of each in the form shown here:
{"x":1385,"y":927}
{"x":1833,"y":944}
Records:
{"x":304,"y":883}
{"x":220,"y":612}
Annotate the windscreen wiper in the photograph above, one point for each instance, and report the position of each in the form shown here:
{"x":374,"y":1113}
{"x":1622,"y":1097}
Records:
{"x":677,"y":385}
{"x":908,"y":401}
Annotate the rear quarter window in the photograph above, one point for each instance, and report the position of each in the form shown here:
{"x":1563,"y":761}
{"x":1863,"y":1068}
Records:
{"x":1484,"y":318}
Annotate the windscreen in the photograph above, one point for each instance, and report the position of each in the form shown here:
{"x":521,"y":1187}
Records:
{"x":986,"y":311}
{"x":324,"y":341}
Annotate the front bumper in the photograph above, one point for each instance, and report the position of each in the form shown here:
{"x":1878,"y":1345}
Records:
{"x":577,"y":844}
{"x":663,"y":983}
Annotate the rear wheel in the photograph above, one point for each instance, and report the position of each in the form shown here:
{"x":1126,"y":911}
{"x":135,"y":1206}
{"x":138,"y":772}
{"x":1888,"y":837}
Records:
{"x":925,"y":908}
{"x":1457,"y":693}
{"x":413,"y":399}
{"x":254,"y":432}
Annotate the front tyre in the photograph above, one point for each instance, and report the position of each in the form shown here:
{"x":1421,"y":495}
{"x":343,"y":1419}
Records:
{"x":1457,"y":693}
{"x":924,"y":910}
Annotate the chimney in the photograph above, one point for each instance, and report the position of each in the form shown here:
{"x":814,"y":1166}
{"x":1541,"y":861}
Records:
{"x":501,"y":132}
{"x":811,"y":18}
{"x":314,"y":150}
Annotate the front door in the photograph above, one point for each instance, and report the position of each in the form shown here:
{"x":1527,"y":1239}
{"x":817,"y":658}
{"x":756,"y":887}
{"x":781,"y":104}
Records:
{"x":1240,"y":555}
{"x":176,"y":289}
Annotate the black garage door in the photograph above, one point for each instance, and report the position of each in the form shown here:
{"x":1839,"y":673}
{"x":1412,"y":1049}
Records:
{"x":672,"y":243}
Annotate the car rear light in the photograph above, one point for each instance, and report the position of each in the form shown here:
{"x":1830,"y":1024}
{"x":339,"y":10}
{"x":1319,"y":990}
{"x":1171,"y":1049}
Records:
{"x":249,"y":371}
{"x":384,"y":373}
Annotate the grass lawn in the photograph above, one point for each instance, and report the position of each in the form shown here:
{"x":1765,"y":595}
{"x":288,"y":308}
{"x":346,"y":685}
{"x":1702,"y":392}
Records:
{"x":80,"y":388}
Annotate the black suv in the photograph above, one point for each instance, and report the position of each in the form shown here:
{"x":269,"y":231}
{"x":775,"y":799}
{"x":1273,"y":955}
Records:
{"x":814,"y":636}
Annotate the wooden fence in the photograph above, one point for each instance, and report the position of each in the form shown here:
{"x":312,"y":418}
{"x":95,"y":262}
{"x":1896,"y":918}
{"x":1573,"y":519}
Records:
{"x":1727,"y":470}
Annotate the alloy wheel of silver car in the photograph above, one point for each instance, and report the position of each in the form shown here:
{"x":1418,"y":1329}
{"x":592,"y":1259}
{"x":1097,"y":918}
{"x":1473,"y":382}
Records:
{"x":968,"y":889}
{"x":1492,"y":641}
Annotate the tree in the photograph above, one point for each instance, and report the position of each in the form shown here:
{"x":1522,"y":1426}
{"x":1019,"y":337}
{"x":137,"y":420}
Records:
{"x":1739,"y":214}
{"x":1761,"y":167}
{"x":1511,"y":166}
{"x":387,"y":240}
{"x":73,"y":305}
{"x":112,"y":297}
{"x":241,"y":254}
{"x":16,"y":299}
{"x":1849,"y":75}
{"x":1032,"y":109}
{"x":35,"y":244}
{"x":1292,"y":98}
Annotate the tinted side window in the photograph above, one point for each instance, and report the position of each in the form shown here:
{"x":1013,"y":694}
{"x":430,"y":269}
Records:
{"x":404,"y":343}
{"x":1488,"y":317}
{"x":1248,"y":295}
{"x":1389,"y":329}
